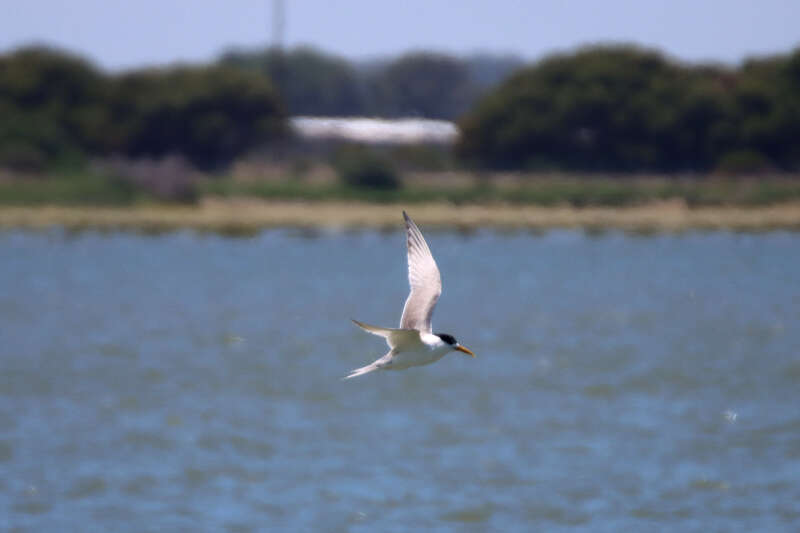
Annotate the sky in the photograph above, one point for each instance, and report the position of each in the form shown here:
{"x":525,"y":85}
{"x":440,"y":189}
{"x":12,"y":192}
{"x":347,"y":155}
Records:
{"x":121,"y":34}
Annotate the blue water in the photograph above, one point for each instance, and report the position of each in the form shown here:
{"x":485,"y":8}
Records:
{"x":190,"y":382}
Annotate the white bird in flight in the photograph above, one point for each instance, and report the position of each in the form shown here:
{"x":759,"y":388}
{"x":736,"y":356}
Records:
{"x":414,"y":344}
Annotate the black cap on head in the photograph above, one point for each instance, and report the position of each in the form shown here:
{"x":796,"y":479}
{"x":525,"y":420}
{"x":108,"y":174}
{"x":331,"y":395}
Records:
{"x":449,"y":339}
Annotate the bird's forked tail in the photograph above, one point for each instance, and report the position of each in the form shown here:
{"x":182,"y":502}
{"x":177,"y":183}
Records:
{"x":363,"y":370}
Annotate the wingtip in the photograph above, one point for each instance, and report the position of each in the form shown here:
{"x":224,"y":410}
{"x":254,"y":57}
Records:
{"x":359,"y":323}
{"x":405,"y":216}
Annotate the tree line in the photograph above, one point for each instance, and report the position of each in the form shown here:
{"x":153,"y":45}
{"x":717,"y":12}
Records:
{"x":422,"y":84}
{"x":622,"y":108}
{"x":603,"y":108}
{"x":57,"y":107}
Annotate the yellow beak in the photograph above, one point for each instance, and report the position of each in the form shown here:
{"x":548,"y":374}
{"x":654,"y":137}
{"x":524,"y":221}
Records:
{"x":465,"y":350}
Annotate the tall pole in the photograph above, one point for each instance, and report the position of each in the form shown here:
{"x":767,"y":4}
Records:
{"x":278,"y":24}
{"x":278,"y":70}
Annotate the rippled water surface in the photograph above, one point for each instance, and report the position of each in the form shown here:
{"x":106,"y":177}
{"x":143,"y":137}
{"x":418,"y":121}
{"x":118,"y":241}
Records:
{"x":187,"y":382}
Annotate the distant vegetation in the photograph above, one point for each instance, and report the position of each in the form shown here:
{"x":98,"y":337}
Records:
{"x":362,"y":168}
{"x":535,"y":190}
{"x":417,"y":84}
{"x":155,"y":133}
{"x":626,"y":109}
{"x":310,"y":82}
{"x":56,"y":109}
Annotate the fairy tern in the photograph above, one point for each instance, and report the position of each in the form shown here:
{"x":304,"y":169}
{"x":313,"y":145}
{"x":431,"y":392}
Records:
{"x":414,"y":343}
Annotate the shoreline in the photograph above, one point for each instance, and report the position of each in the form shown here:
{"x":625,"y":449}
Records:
{"x":245,"y":215}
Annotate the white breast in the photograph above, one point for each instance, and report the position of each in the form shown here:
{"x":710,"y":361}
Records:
{"x":429,"y":350}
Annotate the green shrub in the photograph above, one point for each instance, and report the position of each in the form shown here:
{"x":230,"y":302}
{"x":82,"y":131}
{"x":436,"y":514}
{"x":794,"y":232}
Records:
{"x":363,"y":168}
{"x":622,"y":108}
{"x":743,"y":162}
{"x":21,"y":156}
{"x":422,"y":157}
{"x":170,"y":179}
{"x":89,"y":189}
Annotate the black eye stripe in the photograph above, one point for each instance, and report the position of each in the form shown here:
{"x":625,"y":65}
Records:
{"x":449,"y":339}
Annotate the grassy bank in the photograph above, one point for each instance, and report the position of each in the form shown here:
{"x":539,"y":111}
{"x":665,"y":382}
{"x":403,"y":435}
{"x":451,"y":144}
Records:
{"x":458,"y":188}
{"x":246,"y":216}
{"x":533,"y":191}
{"x":443,"y":199}
{"x":78,"y":190}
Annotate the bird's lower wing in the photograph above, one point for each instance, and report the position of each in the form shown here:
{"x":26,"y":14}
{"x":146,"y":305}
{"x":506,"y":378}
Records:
{"x":394,"y":337}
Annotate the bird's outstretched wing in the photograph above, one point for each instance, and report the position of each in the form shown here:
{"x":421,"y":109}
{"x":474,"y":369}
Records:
{"x":425,"y":281}
{"x":395,"y":338}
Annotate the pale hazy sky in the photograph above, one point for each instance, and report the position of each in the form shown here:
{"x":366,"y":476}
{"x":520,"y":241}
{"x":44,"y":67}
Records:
{"x":121,"y":34}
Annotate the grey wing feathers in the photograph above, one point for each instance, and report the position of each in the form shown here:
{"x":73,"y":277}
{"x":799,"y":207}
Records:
{"x":395,"y":338}
{"x":424,"y":278}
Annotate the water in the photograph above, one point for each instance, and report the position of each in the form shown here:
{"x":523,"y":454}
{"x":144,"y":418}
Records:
{"x":189,"y":382}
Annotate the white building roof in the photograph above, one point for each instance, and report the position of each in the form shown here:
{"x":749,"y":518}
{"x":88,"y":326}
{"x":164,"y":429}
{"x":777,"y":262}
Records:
{"x":375,"y":130}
